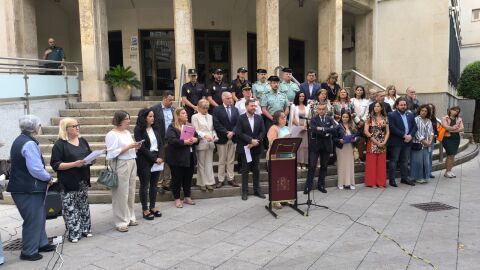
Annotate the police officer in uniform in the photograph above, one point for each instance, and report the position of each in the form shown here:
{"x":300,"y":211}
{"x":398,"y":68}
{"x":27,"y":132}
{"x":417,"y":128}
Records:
{"x":273,"y":101}
{"x":261,"y":86}
{"x":239,"y":83}
{"x":192,"y":92}
{"x":214,"y":91}
{"x":287,"y":86}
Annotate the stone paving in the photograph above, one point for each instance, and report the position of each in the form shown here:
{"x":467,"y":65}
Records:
{"x":228,"y":233}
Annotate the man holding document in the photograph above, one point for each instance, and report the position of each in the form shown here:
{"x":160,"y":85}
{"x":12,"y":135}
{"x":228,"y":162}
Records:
{"x":250,"y":131}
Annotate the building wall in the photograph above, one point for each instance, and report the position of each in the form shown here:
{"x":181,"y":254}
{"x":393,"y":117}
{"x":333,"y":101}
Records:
{"x":411,"y":48}
{"x":470,"y":49}
{"x":61,"y":23}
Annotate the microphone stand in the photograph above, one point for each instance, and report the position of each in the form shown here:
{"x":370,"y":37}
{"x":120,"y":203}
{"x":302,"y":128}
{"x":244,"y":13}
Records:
{"x":309,"y":201}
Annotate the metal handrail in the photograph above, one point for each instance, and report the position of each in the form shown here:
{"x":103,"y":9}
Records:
{"x":275,"y":71}
{"x":363,"y":77}
{"x":25,"y":69}
{"x":183,"y":79}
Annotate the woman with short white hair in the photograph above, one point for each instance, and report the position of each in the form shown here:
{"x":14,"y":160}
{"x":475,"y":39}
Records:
{"x":28,"y":185}
{"x":74,"y":176}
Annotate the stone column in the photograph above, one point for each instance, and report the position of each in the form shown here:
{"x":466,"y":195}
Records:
{"x":329,"y":37}
{"x":238,"y":42}
{"x":184,"y":39}
{"x":18,"y":30}
{"x":364,"y":43}
{"x":268,"y":34}
{"x":94,"y":39}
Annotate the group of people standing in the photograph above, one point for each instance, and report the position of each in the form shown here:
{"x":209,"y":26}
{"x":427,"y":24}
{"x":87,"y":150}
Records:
{"x":239,"y":121}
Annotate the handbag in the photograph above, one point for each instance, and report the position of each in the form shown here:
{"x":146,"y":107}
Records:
{"x":417,"y":146}
{"x":441,"y":132}
{"x":108,"y":177}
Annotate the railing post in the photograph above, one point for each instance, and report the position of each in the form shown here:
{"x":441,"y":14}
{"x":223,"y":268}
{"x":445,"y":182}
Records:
{"x":27,"y":94}
{"x":67,"y":92}
{"x":79,"y":84}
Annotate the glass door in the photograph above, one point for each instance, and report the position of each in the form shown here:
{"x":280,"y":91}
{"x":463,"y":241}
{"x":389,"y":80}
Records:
{"x":212,"y":51}
{"x":158,"y":61}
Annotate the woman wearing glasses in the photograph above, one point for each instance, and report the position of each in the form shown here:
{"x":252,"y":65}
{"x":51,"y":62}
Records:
{"x":74,"y":176}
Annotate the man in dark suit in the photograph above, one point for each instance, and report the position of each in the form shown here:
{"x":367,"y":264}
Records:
{"x":322,"y":127}
{"x":402,"y":130}
{"x":225,"y":119}
{"x":380,"y":97}
{"x":163,"y":113}
{"x":250,"y":132}
{"x":310,"y":87}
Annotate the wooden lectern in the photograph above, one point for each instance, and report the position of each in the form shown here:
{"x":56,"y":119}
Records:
{"x":282,"y":173}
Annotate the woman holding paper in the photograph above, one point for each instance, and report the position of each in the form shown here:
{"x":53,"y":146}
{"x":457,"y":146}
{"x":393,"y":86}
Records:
{"x":180,"y":155}
{"x":147,"y":156}
{"x":346,"y":134}
{"x":121,"y":153}
{"x":203,"y":123}
{"x":73,"y":173}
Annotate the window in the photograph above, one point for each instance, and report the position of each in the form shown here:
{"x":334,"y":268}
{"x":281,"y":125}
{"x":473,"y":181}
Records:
{"x":476,"y":14}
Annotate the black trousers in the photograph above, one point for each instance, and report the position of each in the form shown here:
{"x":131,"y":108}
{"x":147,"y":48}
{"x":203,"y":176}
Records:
{"x":148,"y":185}
{"x":182,"y":178}
{"x":268,"y":123}
{"x":246,"y":168}
{"x":324,"y":157}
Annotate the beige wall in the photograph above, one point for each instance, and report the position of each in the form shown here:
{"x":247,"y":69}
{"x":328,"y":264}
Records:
{"x":412,"y":47}
{"x":470,"y":29}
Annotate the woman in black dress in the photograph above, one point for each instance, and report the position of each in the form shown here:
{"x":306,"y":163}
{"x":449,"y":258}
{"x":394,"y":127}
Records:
{"x":73,"y":173}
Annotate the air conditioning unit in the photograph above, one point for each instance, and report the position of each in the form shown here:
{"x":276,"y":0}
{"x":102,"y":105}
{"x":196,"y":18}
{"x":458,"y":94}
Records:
{"x":348,"y":38}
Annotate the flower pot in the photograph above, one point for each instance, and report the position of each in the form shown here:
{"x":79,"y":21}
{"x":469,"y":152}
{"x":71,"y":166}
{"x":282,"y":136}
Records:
{"x":122,"y":93}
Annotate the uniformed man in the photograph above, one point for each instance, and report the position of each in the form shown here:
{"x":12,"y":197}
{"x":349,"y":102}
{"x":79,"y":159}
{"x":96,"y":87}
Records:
{"x":192,"y":92}
{"x":261,"y":86}
{"x":239,"y":83}
{"x":287,"y":86}
{"x":214,"y":91}
{"x":273,"y":101}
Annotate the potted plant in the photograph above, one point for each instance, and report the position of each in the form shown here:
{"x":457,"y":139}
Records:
{"x":121,"y":79}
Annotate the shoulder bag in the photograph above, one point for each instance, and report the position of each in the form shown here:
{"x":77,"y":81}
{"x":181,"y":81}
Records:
{"x":108,"y":177}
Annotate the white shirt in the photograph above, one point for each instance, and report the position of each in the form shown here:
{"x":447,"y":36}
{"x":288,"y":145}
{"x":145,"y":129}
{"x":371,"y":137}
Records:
{"x":240,"y":105}
{"x":115,"y":141}
{"x":361,"y":108}
{"x":153,"y":140}
{"x":251,"y":121}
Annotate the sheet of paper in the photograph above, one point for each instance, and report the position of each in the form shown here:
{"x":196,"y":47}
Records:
{"x":295,"y":131}
{"x":248,"y":154}
{"x":94,"y":155}
{"x":157,"y":168}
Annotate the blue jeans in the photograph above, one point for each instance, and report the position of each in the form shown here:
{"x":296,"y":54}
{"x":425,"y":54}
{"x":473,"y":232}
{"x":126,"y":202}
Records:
{"x":420,"y":164}
{"x":400,"y":154}
{"x":32,"y":209}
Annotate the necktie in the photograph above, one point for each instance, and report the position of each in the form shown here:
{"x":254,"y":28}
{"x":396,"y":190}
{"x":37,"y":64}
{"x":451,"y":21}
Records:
{"x":229,"y":114}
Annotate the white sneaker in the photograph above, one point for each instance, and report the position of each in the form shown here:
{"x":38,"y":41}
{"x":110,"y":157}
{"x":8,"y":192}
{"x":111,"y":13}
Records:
{"x":340,"y":187}
{"x":449,"y":175}
{"x":452,"y":175}
{"x":74,"y":240}
{"x":352,"y":186}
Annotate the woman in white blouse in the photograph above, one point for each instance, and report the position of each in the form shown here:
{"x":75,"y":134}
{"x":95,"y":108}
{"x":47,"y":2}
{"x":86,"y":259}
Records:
{"x":391,"y":96}
{"x":360,"y":104}
{"x":203,"y":123}
{"x":121,"y":154}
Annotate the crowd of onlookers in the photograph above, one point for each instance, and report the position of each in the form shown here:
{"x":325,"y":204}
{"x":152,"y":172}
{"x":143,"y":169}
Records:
{"x":239,"y":121}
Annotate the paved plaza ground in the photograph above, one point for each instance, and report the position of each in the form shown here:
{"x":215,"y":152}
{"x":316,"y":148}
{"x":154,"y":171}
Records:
{"x":228,"y":233}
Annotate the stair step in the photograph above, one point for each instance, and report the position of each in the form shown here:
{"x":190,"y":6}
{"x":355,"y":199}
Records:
{"x":86,"y":129}
{"x":113,"y":105}
{"x":96,"y":112}
{"x":92,"y":120}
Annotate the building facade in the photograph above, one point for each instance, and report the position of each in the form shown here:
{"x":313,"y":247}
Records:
{"x":400,"y":42}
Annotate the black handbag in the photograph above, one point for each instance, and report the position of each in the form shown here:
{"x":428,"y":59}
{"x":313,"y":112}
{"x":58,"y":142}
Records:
{"x":108,"y":177}
{"x":417,"y":146}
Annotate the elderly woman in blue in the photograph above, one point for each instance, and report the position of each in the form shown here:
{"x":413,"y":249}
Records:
{"x":28,"y":184}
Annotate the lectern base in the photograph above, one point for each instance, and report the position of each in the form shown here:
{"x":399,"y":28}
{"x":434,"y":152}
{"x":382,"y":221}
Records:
{"x":294,"y":206}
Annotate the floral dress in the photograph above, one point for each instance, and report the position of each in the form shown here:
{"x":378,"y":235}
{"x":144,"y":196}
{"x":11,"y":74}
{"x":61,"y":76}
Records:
{"x":378,"y":131}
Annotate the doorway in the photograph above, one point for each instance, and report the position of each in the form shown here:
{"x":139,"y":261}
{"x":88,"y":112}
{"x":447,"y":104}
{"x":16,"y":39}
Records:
{"x":212,"y":51}
{"x":296,"y":58}
{"x":158,"y":61}
{"x":252,"y":56}
{"x":115,"y":53}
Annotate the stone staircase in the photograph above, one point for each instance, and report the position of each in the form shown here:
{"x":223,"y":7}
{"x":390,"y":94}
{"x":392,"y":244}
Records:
{"x":95,"y":120}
